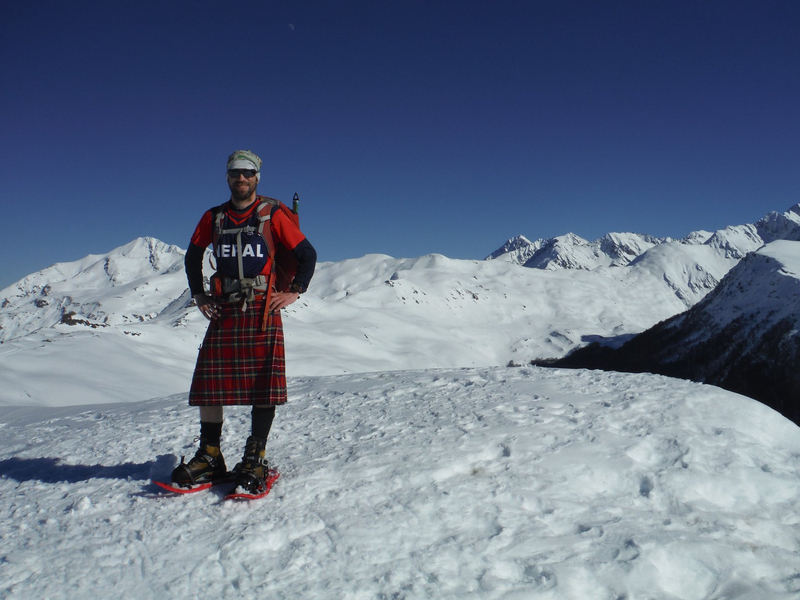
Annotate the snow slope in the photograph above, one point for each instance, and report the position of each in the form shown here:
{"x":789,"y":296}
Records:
{"x":743,"y":336}
{"x":481,"y":483}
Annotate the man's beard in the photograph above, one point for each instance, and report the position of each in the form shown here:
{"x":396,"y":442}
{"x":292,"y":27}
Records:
{"x":242,"y":193}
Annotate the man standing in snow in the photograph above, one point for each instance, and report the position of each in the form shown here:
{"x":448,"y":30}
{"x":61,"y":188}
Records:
{"x":241,"y":360}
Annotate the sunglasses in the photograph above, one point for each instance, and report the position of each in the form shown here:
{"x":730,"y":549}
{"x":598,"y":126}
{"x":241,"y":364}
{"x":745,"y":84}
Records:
{"x":248,"y":173}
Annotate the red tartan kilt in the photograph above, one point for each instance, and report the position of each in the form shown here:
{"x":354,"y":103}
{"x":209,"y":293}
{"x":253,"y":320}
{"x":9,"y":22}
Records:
{"x":239,"y":363}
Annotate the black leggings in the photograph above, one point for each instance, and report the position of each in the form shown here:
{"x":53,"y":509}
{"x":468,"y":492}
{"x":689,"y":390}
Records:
{"x":262,"y":421}
{"x":262,"y":417}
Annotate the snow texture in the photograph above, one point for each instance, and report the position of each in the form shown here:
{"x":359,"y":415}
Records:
{"x":486,"y":483}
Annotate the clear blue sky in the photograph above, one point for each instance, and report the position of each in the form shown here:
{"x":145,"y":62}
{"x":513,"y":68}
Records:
{"x":407,"y":127}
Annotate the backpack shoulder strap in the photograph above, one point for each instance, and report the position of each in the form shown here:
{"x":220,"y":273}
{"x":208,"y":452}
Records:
{"x":218,"y":216}
{"x":266,"y":206}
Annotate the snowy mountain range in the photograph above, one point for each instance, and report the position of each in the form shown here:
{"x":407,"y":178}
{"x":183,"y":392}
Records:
{"x":620,"y":249}
{"x":368,"y":314}
{"x":414,"y":463}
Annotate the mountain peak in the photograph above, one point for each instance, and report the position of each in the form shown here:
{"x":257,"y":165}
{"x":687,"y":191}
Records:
{"x":780,"y":226}
{"x":100,"y":288}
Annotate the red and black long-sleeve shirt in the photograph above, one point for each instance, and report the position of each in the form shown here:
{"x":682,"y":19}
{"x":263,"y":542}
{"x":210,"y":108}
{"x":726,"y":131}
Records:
{"x":284,"y":231}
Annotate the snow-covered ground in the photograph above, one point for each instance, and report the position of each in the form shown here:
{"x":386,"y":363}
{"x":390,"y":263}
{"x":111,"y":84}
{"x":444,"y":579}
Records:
{"x":459,"y":483}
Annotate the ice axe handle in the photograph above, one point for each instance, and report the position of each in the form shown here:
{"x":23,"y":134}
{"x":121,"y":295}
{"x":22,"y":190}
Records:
{"x":295,"y":203}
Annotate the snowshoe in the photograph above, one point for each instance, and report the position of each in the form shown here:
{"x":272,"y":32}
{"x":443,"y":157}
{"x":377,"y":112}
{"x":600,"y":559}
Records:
{"x":238,"y":494}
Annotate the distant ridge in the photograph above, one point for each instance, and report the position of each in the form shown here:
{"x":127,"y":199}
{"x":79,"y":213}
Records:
{"x":744,"y":336}
{"x":620,"y":249}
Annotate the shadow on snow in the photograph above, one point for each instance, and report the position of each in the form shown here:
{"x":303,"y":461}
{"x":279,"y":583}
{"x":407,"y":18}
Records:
{"x":53,"y":470}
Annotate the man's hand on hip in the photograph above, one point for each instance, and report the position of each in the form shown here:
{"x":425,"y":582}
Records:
{"x":280,"y":300}
{"x":207,"y":306}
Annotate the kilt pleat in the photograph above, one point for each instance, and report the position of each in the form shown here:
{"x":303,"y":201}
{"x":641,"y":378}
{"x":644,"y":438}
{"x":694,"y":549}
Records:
{"x":239,"y":363}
